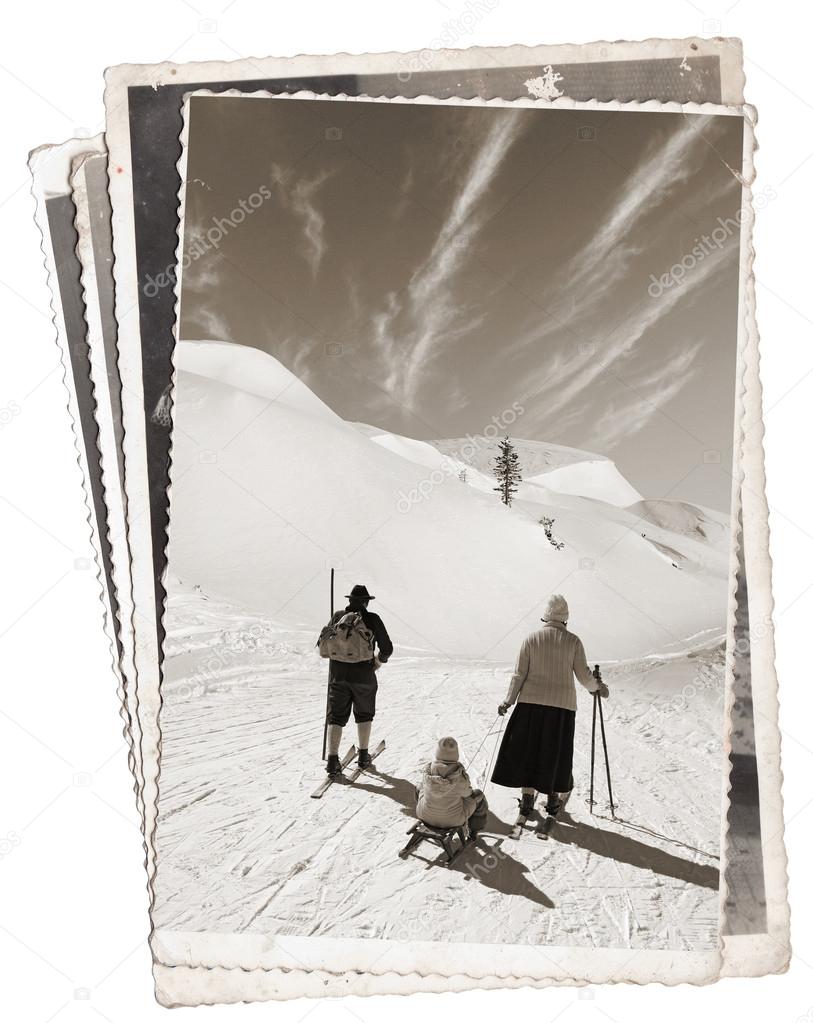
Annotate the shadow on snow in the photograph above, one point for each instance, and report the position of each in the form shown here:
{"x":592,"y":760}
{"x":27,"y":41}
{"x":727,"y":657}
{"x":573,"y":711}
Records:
{"x":492,"y":866}
{"x":624,"y":849}
{"x":497,"y":869}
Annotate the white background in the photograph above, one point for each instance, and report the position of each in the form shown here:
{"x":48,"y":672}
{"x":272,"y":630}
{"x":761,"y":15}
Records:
{"x":73,"y":921}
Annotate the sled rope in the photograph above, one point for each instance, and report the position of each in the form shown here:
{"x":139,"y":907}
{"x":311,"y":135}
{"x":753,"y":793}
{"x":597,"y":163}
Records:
{"x":494,"y":752}
{"x":482,"y":743}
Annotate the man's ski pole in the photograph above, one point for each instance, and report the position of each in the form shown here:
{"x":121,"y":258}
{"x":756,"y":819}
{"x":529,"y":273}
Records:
{"x":606,"y":757}
{"x":593,"y":748}
{"x":327,"y":697}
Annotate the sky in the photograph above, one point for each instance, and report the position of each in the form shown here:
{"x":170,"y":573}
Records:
{"x":423,"y":268}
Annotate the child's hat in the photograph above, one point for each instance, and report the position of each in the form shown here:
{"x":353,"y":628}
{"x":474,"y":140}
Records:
{"x":447,"y":750}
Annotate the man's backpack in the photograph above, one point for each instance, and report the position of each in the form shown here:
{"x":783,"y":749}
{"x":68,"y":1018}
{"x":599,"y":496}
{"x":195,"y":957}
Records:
{"x":347,"y":640}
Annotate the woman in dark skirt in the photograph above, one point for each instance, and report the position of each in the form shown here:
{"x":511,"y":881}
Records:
{"x":536,"y":753}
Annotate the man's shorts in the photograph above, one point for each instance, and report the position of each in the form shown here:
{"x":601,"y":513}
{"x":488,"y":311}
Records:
{"x":342,"y":696}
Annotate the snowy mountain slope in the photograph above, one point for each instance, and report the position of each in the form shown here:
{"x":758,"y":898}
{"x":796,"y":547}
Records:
{"x":535,"y":456}
{"x":551,"y":467}
{"x":252,"y":371}
{"x":565,"y":470}
{"x":241,"y":740}
{"x":271,"y":488}
{"x":683,"y":518}
{"x":420,"y":452}
{"x":598,"y":478}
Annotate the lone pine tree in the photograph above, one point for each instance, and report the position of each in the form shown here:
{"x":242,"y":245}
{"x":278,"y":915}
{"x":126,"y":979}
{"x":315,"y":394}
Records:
{"x":508,"y":471}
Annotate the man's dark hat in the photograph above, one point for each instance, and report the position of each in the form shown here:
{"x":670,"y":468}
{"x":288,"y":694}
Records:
{"x":359,"y":592}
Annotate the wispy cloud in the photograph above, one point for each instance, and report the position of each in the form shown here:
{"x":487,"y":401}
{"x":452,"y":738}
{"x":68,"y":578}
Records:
{"x":662,"y":169}
{"x":383,"y":322}
{"x":588,"y":279}
{"x":206,"y":323}
{"x":404,"y":199}
{"x":593,"y":274}
{"x":428,"y":310}
{"x":298,"y":356}
{"x":562,"y":383}
{"x":204,"y":271}
{"x":201,"y":282}
{"x":298,"y":195}
{"x":643,"y":399}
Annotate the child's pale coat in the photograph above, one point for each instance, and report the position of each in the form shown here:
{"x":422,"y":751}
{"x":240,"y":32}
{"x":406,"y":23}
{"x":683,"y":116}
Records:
{"x":445,"y":795}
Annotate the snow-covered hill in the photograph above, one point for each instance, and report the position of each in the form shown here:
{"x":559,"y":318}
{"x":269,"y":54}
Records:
{"x":685,"y":519}
{"x":561,"y":469}
{"x":245,"y":850}
{"x":271,"y":488}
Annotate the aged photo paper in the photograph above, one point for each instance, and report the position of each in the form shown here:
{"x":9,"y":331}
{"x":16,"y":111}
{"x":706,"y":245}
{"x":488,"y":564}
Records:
{"x":682,"y":70}
{"x":55,"y":217}
{"x":94,"y":251}
{"x":213,"y":366}
{"x":143,"y":107}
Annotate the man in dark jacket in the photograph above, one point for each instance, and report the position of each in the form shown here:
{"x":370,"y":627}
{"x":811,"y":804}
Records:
{"x":354,"y":686}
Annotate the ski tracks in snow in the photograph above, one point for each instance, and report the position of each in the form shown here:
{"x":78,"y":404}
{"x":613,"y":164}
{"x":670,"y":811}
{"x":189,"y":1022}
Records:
{"x":243,"y":847}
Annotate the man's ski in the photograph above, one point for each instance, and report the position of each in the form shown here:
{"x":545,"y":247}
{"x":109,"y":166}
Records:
{"x":360,"y":770}
{"x":349,"y":756}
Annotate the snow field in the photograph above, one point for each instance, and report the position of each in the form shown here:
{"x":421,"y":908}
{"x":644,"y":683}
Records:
{"x":271,"y":489}
{"x":244,"y":848}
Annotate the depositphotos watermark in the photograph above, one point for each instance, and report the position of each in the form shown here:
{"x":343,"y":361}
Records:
{"x":207,"y":676}
{"x":451,"y":33}
{"x":208,"y":240}
{"x":705,"y":245}
{"x":9,"y":412}
{"x":449,"y":467}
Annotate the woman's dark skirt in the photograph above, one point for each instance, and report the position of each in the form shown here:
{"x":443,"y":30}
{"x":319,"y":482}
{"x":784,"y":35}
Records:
{"x":537,"y":749}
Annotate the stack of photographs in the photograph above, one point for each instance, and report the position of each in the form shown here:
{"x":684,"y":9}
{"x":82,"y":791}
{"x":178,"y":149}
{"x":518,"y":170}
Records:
{"x":417,"y":399}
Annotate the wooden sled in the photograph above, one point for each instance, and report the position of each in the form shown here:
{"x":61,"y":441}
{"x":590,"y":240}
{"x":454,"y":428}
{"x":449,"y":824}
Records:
{"x":443,"y":837}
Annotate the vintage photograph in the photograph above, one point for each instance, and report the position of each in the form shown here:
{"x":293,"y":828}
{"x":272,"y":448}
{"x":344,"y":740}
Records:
{"x":403,"y":522}
{"x":145,"y":118}
{"x":450,"y":575}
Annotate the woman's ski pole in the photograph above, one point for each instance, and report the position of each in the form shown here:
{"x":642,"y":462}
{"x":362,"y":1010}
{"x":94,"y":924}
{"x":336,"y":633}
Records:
{"x":597,"y":701}
{"x":593,"y":749}
{"x":606,"y":758}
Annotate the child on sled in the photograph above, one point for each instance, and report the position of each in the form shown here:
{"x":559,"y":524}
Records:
{"x":445,"y":797}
